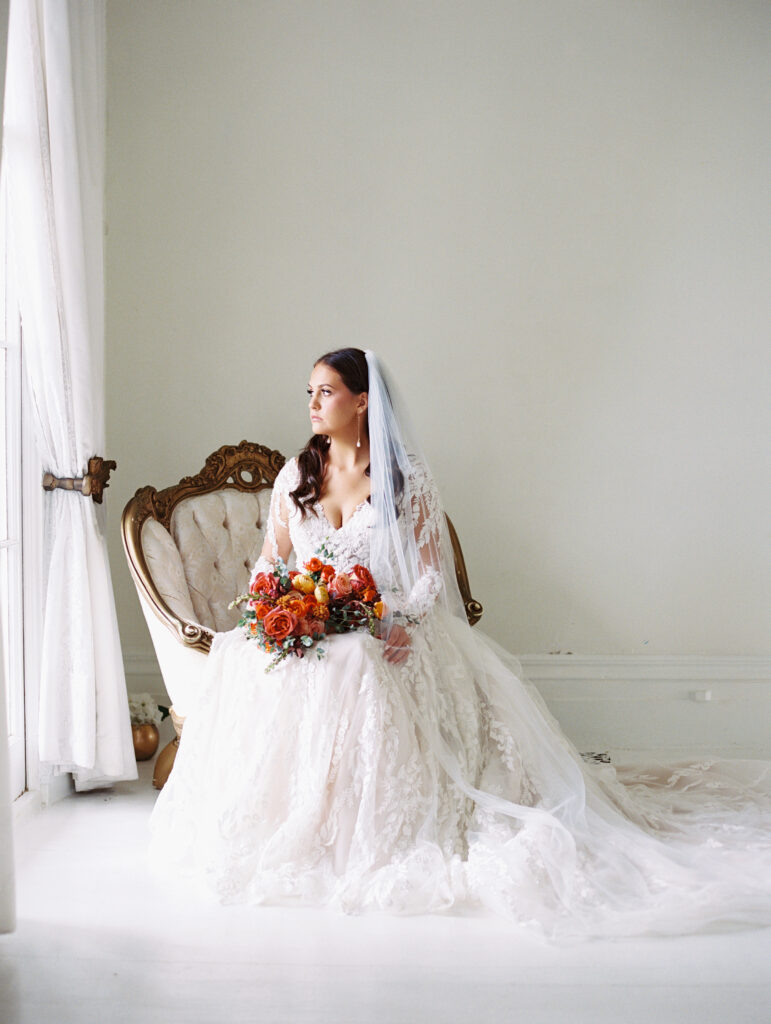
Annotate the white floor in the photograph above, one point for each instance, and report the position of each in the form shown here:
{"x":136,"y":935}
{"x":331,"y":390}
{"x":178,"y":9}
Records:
{"x":99,"y":941}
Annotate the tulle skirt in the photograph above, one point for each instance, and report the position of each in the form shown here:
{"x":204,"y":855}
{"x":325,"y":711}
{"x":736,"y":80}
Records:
{"x":445,"y":784}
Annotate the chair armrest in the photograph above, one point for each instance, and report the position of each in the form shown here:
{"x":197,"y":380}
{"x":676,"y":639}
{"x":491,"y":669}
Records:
{"x":188,"y":632}
{"x":473,"y":608}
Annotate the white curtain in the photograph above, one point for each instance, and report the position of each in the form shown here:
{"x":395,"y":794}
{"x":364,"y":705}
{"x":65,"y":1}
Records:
{"x":53,"y":149}
{"x":7,"y":886}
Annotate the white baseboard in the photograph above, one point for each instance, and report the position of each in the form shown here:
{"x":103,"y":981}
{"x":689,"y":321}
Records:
{"x":49,"y":792}
{"x":671,"y":706}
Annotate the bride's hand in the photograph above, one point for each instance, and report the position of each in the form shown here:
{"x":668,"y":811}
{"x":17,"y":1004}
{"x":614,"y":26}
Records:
{"x":397,"y":645}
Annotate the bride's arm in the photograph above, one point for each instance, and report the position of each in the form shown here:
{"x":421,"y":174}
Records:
{"x":426,"y":515}
{"x":428,"y":519}
{"x":277,"y":543}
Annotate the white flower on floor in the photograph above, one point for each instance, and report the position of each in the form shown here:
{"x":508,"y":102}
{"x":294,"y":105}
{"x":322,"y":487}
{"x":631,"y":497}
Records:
{"x":144,"y":709}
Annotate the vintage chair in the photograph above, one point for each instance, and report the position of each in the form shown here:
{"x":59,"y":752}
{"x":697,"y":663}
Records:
{"x":190,"y":550}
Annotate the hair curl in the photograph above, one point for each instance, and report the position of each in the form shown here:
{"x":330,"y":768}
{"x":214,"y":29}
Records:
{"x":351,"y":364}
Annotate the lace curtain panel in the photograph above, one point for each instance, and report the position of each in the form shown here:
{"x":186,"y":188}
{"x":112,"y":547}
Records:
{"x":53,"y":153}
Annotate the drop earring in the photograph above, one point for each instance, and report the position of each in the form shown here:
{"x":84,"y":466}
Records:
{"x":358,"y":431}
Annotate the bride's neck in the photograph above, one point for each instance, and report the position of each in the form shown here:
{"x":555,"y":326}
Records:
{"x":343,"y":454}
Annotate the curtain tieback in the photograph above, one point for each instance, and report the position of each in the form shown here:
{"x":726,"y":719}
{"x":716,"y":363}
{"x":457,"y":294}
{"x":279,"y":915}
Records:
{"x":90,"y":486}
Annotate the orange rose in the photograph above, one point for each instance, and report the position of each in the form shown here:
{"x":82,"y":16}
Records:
{"x":260,"y":609}
{"x":327,"y":572}
{"x":279,"y":623}
{"x":369,"y":594}
{"x":296,"y":605}
{"x":314,"y":565}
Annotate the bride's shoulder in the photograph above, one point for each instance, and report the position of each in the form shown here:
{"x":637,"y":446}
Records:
{"x":288,"y":476}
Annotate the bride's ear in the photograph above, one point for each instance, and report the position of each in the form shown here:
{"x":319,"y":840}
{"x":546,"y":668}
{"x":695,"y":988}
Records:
{"x":363,"y":402}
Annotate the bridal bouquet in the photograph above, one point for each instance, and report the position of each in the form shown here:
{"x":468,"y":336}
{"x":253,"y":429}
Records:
{"x":290,"y":612}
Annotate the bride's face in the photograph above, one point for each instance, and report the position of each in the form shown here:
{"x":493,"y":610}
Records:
{"x":334,"y":409}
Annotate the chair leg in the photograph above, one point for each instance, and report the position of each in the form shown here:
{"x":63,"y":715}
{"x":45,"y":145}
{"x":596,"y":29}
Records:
{"x":164,"y":763}
{"x":165,"y":760}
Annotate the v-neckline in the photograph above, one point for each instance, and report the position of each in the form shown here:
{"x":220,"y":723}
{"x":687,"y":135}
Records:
{"x":345,"y":522}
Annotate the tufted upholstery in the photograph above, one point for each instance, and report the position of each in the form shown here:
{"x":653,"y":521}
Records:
{"x":190,"y":549}
{"x":205,"y":559}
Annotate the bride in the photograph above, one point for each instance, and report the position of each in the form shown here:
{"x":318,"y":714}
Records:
{"x":414,"y":771}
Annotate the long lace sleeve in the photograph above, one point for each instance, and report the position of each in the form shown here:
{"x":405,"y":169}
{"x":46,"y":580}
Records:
{"x":278,"y":542}
{"x":427,"y":520}
{"x":425,"y":536}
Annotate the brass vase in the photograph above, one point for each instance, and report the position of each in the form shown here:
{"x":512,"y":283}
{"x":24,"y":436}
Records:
{"x":145,"y":741}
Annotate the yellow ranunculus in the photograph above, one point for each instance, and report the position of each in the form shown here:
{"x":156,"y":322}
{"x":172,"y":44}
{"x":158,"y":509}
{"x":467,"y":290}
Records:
{"x":321,"y":594}
{"x":304,"y":584}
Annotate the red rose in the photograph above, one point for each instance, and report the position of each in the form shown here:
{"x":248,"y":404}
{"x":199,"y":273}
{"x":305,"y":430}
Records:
{"x":314,"y":565}
{"x":267,"y":584}
{"x":279,"y":623}
{"x":361,"y":577}
{"x":327,"y":573}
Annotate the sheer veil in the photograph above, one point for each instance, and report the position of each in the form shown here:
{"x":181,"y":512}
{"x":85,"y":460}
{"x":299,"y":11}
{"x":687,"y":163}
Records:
{"x":411,"y":553}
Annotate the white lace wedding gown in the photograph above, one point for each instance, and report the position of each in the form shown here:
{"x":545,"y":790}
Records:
{"x":442,"y":783}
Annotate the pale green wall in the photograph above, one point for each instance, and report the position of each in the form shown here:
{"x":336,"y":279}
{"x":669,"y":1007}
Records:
{"x":551,"y":219}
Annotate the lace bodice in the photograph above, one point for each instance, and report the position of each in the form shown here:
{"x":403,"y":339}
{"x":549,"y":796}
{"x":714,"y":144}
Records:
{"x":288,"y":531}
{"x":349,"y":544}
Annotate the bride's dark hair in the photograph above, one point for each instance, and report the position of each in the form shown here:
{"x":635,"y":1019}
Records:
{"x":351,"y":364}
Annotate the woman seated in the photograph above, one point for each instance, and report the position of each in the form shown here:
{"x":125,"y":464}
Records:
{"x":412,"y":770}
